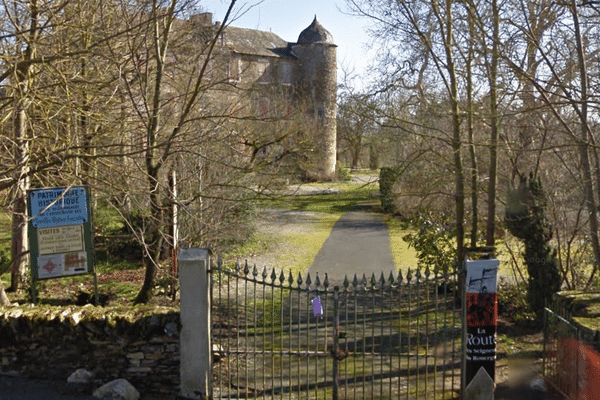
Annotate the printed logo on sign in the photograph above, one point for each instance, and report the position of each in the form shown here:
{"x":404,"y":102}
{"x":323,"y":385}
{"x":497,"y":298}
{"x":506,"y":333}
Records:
{"x":49,"y":266}
{"x":481,"y":309}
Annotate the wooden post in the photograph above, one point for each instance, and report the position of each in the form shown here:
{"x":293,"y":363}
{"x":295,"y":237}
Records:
{"x":195,"y":343}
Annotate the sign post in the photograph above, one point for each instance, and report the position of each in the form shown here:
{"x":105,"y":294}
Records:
{"x":481,"y":319}
{"x":60,"y":234}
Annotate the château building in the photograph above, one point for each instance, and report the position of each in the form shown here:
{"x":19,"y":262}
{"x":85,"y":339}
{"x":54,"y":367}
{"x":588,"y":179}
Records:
{"x":269,"y":77}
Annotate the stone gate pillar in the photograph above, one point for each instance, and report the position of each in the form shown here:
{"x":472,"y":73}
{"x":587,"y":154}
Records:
{"x":195,"y":343}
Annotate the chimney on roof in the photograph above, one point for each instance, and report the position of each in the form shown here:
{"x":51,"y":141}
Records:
{"x":202,"y":19}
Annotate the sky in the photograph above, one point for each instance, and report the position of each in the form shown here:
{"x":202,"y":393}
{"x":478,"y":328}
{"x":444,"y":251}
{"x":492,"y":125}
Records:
{"x":287,"y":18}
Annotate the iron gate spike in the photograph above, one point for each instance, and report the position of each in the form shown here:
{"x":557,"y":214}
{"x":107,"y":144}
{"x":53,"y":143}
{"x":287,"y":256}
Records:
{"x":317,"y":281}
{"x":382,"y":280}
{"x":273,"y":276}
{"x":265,"y":274}
{"x":281,"y":278}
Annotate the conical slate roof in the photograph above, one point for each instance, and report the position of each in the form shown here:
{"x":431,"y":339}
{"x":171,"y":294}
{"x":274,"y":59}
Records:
{"x":315,"y":33}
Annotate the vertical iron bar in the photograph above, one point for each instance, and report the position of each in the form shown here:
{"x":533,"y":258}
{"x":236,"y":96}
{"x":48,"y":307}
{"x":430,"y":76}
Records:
{"x":364,"y":336}
{"x":281,"y":349}
{"x":418,"y":335}
{"x":435,"y":328}
{"x":408,"y":334}
{"x":300,"y":313}
{"x":246,"y":321}
{"x":264,"y":328}
{"x":444,"y":335}
{"x":308,"y":318}
{"x":255,"y":325}
{"x":399,"y":337}
{"x":336,"y":341}
{"x":391,"y":310}
{"x":290,"y":384}
{"x":317,"y":339}
{"x":381,"y":322}
{"x":273,"y":277}
{"x":373,"y":323}
{"x":229,"y":300}
{"x":346,"y":331}
{"x":219,"y":334}
{"x":355,"y":334}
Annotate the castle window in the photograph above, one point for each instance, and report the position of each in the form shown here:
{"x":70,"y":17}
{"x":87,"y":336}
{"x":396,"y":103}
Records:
{"x":234,"y":69}
{"x":263,"y":108}
{"x":264,"y":71}
{"x":286,"y":74}
{"x":321,"y":114}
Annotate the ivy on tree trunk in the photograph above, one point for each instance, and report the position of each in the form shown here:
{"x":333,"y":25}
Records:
{"x":528,"y":222}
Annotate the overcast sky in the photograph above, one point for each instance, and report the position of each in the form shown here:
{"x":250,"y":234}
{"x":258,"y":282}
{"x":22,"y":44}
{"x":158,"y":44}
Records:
{"x":287,"y":18}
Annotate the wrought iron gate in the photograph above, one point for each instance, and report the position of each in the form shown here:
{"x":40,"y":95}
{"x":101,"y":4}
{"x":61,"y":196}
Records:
{"x":281,"y":336}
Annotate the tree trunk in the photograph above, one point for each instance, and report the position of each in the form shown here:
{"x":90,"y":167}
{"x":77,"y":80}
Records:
{"x":472,"y":154}
{"x":585,"y":135}
{"x":19,"y":248}
{"x":493,"y":73}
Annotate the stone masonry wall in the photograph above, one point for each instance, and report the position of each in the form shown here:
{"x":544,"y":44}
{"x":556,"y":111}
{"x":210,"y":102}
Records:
{"x":137,"y":344}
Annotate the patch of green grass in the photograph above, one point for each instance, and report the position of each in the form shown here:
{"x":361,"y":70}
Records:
{"x":404,"y":256}
{"x":349,"y":196}
{"x":257,"y":244}
{"x":102,"y":267}
{"x":305,"y":246}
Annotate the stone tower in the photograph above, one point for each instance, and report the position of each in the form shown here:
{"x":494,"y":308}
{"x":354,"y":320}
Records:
{"x":317,"y":83}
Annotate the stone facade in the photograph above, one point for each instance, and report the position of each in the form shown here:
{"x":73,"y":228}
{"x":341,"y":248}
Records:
{"x":268,"y":77}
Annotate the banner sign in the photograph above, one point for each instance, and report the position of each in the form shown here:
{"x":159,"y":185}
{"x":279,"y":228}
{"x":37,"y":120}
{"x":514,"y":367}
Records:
{"x":60,"y":232}
{"x":482,"y":315}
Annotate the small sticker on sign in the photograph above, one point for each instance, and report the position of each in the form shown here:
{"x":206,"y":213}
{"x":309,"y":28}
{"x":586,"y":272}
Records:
{"x":317,"y":306}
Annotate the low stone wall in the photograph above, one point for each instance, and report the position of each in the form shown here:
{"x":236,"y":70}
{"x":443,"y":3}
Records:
{"x":139,"y":344}
{"x":582,"y":309}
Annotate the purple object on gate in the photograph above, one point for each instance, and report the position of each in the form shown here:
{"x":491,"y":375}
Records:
{"x":317,"y":306}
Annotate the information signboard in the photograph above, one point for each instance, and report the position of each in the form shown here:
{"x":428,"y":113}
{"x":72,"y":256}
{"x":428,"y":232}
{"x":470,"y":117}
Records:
{"x":60,"y":232}
{"x":58,"y":207}
{"x":481,"y":320}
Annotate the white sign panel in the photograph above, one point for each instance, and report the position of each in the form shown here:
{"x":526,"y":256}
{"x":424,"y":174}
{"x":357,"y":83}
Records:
{"x":60,"y":239}
{"x":481,"y":276}
{"x":56,"y":265}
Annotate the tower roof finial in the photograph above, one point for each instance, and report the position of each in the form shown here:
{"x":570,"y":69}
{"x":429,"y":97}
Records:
{"x":315,"y":33}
